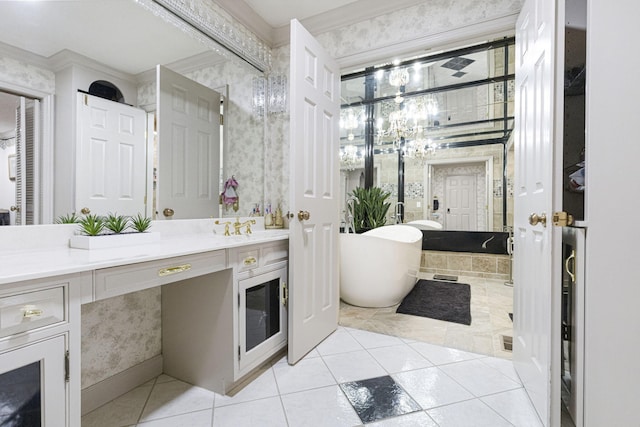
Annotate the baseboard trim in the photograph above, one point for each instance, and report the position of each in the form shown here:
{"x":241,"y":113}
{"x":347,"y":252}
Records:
{"x":108,"y":389}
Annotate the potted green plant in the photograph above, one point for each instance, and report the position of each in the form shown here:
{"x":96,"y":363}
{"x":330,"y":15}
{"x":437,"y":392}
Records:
{"x":370,"y":208}
{"x":97,"y":232}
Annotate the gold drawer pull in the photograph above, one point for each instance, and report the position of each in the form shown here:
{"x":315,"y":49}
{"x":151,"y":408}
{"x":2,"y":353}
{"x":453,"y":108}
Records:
{"x":174,"y":270}
{"x":29,"y":311}
{"x":250,"y":260}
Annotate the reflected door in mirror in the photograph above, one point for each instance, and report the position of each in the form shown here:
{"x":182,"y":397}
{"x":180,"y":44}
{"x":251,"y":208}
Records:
{"x":188,"y":147}
{"x":111,"y":167}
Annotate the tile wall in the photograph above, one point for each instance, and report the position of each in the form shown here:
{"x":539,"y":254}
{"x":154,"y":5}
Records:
{"x":466,"y":264}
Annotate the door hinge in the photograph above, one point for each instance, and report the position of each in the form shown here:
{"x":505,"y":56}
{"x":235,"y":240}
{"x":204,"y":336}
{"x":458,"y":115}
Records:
{"x":86,"y":100}
{"x":239,"y":352}
{"x":221,"y":120}
{"x":285,"y":294}
{"x":238,"y":299}
{"x":562,"y":219}
{"x":66,"y":366}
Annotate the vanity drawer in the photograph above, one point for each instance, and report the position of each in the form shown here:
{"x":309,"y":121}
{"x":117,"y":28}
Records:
{"x":264,"y":255}
{"x":31,"y":310}
{"x":247,"y":259}
{"x":110,"y":282}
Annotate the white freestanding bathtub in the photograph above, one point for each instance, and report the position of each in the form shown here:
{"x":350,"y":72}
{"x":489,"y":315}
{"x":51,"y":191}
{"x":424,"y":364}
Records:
{"x":379,"y":268}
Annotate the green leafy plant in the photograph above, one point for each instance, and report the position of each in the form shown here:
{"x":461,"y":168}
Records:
{"x":140,"y":223}
{"x":370,"y":209}
{"x":91,"y":225}
{"x":71,"y":218}
{"x":116,"y":223}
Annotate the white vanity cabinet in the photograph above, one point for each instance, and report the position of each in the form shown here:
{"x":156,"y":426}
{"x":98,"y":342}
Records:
{"x":40,"y":351}
{"x":260,"y":292}
{"x":218,"y":327}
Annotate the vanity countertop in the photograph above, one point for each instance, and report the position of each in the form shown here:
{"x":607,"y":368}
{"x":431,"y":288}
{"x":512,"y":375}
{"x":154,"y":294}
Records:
{"x":40,"y":262}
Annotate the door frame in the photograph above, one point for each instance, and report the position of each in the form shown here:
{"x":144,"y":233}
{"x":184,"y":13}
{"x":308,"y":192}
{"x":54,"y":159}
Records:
{"x":44,"y":145}
{"x":488,"y":163}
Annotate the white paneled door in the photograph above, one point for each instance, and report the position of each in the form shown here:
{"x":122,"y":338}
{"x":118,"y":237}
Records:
{"x":188,"y":147}
{"x":537,"y":241}
{"x":111,"y":159}
{"x":460,"y":196}
{"x":314,"y":185}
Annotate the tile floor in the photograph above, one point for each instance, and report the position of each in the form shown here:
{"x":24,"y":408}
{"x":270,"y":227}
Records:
{"x":491,"y":303}
{"x":352,"y":378}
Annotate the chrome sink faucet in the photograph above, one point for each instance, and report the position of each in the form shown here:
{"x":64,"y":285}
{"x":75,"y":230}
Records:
{"x":399,"y":209}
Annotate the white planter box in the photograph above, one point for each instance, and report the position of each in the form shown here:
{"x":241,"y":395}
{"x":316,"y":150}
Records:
{"x":113,"y":240}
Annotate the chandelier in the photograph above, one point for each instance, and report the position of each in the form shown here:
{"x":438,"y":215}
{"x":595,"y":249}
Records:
{"x":419,"y":149}
{"x":350,"y":120}
{"x":409,"y":120}
{"x":350,"y":157}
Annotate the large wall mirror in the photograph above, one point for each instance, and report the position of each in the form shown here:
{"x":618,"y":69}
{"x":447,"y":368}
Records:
{"x":50,"y":50}
{"x":435,"y":133}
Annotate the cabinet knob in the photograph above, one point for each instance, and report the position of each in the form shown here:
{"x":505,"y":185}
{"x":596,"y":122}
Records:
{"x":168,"y":212}
{"x":15,"y":208}
{"x":85,"y":211}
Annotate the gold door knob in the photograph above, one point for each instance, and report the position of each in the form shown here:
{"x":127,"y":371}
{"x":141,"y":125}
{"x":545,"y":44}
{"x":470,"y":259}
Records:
{"x":168,"y":212}
{"x":85,"y":211}
{"x":304,"y":215}
{"x":15,"y":208}
{"x":534,"y":219}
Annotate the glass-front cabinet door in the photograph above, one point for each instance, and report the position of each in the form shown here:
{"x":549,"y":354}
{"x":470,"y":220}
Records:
{"x":262,"y":317}
{"x":32,"y":385}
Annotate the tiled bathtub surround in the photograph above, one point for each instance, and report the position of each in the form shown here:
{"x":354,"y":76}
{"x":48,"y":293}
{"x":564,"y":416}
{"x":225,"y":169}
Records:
{"x":466,"y":264}
{"x":403,"y":382}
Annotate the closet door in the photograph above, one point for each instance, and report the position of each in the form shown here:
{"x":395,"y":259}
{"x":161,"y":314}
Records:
{"x":111,"y":158}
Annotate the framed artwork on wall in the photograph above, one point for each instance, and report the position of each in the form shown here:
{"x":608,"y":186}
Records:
{"x":12,"y":167}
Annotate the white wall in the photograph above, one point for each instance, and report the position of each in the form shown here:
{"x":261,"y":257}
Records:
{"x":612,"y":378}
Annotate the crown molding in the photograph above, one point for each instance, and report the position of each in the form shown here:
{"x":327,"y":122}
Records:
{"x":23,"y":55}
{"x":65,"y":58}
{"x":183,"y":66}
{"x":244,"y":14}
{"x":349,"y":14}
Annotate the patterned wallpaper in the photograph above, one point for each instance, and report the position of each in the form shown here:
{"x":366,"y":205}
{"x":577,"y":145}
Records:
{"x":26,"y":75}
{"x":120,"y":332}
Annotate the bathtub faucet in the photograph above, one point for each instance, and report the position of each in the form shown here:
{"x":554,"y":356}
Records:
{"x":399,"y":209}
{"x":351,"y":226}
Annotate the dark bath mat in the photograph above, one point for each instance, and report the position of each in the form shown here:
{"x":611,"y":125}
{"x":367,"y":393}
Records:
{"x":439,"y":300}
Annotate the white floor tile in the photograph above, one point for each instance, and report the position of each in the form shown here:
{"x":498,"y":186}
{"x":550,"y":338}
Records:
{"x":431,"y":387}
{"x":479,"y":378}
{"x":515,"y":406}
{"x":469,"y":413}
{"x":192,"y":419}
{"x":373,"y":339}
{"x":176,"y":398}
{"x":122,"y":411}
{"x":353,"y":366}
{"x":439,"y":355}
{"x":340,"y":341}
{"x":399,"y":358}
{"x":416,"y":419}
{"x":321,"y":407}
{"x":263,"y":412}
{"x":503,"y":365}
{"x":262,"y":387}
{"x":304,"y":375}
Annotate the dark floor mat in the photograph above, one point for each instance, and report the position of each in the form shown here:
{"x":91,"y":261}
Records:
{"x":439,"y":300}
